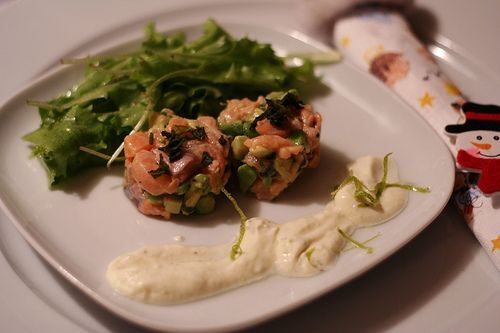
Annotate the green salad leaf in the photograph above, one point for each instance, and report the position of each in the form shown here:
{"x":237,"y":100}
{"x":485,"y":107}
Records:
{"x":190,"y":77}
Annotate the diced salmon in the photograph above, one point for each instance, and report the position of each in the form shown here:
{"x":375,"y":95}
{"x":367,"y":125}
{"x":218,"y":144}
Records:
{"x":264,"y":127}
{"x":136,"y":142}
{"x":271,"y":142}
{"x":211,"y":129}
{"x":184,"y":167}
{"x":239,"y":110}
{"x":144,"y":162}
{"x":287,"y":152}
{"x":148,"y":208}
{"x":290,"y":158}
{"x":284,"y":148}
{"x":188,"y":156}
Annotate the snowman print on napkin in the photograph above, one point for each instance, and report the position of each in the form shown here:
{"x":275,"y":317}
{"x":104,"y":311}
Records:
{"x":478,"y":144}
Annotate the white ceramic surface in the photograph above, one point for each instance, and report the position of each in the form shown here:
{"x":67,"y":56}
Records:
{"x":453,"y":285}
{"x":80,"y":229}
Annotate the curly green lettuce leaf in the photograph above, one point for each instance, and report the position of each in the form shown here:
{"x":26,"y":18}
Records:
{"x":191,"y":78}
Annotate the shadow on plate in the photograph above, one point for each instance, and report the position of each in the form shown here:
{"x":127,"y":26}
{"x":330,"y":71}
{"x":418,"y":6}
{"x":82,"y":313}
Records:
{"x":83,"y":184}
{"x":315,"y":185}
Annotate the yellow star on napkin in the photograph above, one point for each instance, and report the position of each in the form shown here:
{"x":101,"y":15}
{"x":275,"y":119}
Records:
{"x":496,"y":244}
{"x":426,"y":100}
{"x":345,"y":41}
{"x":452,"y":89}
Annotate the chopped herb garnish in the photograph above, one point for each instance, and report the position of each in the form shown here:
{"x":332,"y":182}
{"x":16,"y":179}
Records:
{"x":222,"y":140}
{"x":278,"y":107}
{"x":176,"y":139}
{"x":199,"y":133}
{"x":174,"y":147}
{"x":236,"y":250}
{"x":206,"y":159}
{"x":162,"y":169}
{"x":151,"y":138}
{"x":275,"y":112}
{"x":371,"y":197}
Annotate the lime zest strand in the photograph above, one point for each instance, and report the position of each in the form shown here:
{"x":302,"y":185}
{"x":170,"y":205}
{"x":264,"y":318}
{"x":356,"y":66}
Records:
{"x":381,"y":186}
{"x":354,"y":242}
{"x":371,"y":197}
{"x":309,"y":254}
{"x":363,"y":242}
{"x":410,"y":187}
{"x":236,"y":250}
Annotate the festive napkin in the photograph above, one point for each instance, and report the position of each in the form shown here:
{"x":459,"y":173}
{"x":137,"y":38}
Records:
{"x":380,"y":41}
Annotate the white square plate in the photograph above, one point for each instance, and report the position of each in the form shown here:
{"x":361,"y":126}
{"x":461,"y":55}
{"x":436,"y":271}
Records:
{"x":81,"y":229}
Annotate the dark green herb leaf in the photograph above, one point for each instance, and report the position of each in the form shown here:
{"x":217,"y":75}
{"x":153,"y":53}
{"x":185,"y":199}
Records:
{"x":279,"y":107}
{"x":162,"y":169}
{"x":199,"y":133}
{"x":206,"y":159}
{"x":174,"y":148}
{"x":222,"y":140}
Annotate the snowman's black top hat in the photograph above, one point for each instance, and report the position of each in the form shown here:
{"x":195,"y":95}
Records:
{"x":477,"y":117}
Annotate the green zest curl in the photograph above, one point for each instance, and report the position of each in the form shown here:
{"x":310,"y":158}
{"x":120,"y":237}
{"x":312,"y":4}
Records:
{"x":371,"y":197}
{"x":363,"y":242}
{"x":236,"y":250}
{"x":354,"y":242}
{"x":309,"y":254}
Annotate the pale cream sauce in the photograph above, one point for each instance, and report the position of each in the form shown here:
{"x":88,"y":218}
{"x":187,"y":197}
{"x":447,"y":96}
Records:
{"x":176,"y":273}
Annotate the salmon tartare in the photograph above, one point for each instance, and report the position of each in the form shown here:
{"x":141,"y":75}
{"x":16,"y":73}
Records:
{"x":274,"y":138}
{"x":177,"y":166}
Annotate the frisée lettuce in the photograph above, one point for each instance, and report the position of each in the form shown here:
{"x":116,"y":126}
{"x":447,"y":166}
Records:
{"x":190,"y":77}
